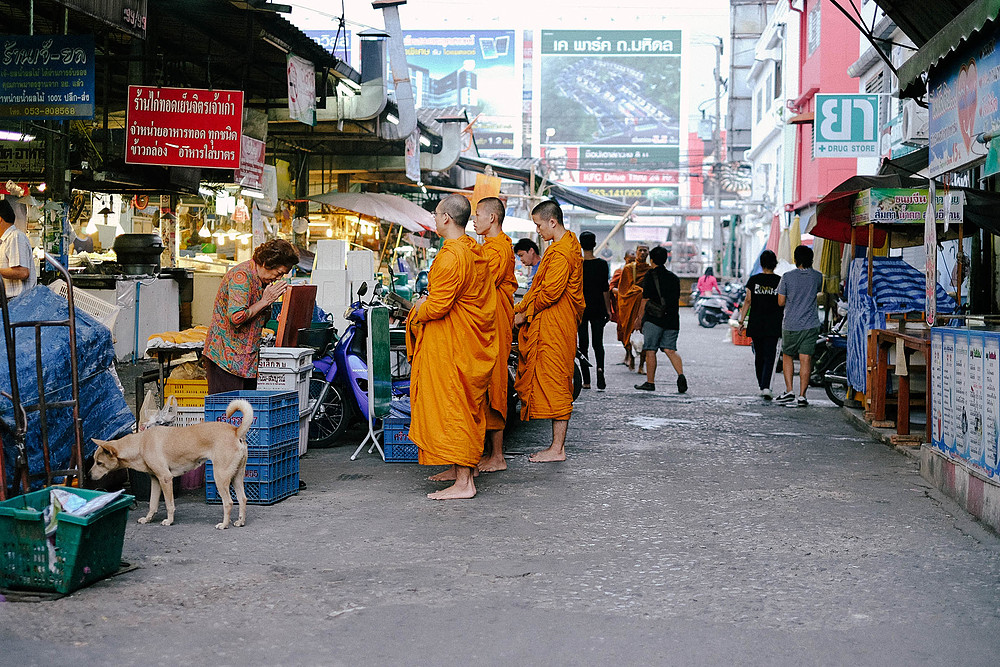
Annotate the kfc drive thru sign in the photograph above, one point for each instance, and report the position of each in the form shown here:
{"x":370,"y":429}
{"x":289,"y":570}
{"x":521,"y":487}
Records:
{"x":184,"y":127}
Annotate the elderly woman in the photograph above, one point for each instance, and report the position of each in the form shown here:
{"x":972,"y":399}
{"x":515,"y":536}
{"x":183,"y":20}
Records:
{"x":242,"y":306}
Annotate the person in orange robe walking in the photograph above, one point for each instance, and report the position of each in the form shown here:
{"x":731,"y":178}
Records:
{"x":452,"y":345}
{"x":629,"y":298}
{"x":615,"y":279}
{"x":549,"y":316}
{"x":499,"y":251}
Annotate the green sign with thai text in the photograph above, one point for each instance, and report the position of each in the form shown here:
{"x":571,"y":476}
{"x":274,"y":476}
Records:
{"x":905,"y":206}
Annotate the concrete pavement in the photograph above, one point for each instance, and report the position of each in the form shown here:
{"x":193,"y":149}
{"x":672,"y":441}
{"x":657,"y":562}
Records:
{"x":710,"y":528}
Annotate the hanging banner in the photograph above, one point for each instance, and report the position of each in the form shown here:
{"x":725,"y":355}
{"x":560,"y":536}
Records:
{"x":905,"y":206}
{"x":47,"y":76}
{"x":930,"y":252}
{"x":846,"y":126}
{"x":301,"y":90}
{"x":251,"y":171}
{"x":184,"y":127}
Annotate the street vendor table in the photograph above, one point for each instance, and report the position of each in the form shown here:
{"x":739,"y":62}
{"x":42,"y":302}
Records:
{"x":165,"y":356}
{"x":908,"y":342}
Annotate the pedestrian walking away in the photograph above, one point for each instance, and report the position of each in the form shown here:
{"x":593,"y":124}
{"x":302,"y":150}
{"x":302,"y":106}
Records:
{"x":596,"y":313}
{"x":707,"y":284}
{"x":548,"y":318}
{"x":760,"y":317}
{"x":452,"y":345}
{"x":797,"y":293}
{"x":659,"y":318}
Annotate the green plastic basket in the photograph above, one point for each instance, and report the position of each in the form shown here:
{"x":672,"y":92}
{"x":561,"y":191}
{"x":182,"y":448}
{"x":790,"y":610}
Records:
{"x":86,"y":549}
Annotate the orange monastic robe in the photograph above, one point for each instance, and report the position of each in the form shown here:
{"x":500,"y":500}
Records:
{"x":499,"y":253}
{"x":629,"y":298}
{"x":452,"y":342}
{"x":547,"y":343}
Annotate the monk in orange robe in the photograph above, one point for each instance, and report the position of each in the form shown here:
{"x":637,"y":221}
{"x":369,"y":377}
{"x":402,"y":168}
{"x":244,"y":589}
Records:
{"x":549,"y":316}
{"x":613,"y":285}
{"x":452,"y":345}
{"x":629,"y":299}
{"x":499,"y":251}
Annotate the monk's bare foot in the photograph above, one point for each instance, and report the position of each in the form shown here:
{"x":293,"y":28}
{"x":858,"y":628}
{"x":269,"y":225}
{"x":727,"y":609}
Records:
{"x":492,"y":465}
{"x":454,"y":492}
{"x":445,"y":476}
{"x":548,"y":455}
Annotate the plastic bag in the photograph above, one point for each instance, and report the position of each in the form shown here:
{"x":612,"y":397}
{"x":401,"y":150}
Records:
{"x":189,"y":370}
{"x":636,"y":340}
{"x":152,"y":415}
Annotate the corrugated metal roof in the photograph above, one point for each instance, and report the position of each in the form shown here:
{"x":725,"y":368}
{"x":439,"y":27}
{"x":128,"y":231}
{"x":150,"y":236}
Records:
{"x":922,"y":19}
{"x":948,"y":37}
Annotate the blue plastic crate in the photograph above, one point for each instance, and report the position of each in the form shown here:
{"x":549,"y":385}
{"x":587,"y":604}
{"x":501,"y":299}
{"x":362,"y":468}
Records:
{"x":396,"y":441}
{"x":275,"y":416}
{"x":269,"y":478}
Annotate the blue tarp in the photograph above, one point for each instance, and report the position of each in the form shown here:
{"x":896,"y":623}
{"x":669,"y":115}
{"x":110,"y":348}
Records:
{"x":897,"y":287}
{"x":103,"y":410}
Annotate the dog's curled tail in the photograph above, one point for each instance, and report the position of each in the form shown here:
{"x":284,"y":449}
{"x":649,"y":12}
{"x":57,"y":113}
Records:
{"x":243,"y":407}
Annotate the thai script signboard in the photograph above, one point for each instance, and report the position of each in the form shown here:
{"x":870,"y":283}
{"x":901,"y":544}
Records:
{"x":251,"y":171}
{"x":47,"y":76}
{"x":963,"y":104}
{"x":905,"y":206}
{"x":845,"y":126}
{"x":184,"y":127}
{"x":21,"y":158}
{"x":609,"y":107}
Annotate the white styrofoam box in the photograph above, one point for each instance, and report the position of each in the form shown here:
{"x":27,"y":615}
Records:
{"x":332,"y":287}
{"x":186,"y":416}
{"x":330,"y":254}
{"x":283,"y":379}
{"x":360,"y":266}
{"x":303,"y":434}
{"x":291,"y":358}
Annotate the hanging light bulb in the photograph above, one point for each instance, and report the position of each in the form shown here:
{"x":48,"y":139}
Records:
{"x":329,"y":232}
{"x":377,"y":229}
{"x":233,"y":233}
{"x":204,"y":232}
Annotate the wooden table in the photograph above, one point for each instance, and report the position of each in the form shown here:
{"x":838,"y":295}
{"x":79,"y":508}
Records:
{"x":917,"y":341}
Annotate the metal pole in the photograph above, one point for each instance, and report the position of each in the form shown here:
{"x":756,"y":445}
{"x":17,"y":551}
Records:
{"x":717,"y":185}
{"x":614,"y":230}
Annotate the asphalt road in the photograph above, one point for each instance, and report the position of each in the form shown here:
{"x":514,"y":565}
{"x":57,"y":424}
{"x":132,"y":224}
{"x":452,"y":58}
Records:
{"x":710,"y":528}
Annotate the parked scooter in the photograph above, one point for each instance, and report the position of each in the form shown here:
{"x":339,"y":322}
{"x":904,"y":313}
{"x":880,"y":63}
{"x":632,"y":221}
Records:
{"x":829,"y":366}
{"x":338,"y":389}
{"x":715,"y":309}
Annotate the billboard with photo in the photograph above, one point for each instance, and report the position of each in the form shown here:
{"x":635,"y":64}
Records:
{"x":474,"y":70}
{"x":609,"y":105}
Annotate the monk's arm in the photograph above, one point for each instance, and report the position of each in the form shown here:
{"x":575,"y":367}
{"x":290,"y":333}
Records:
{"x":551,"y":288}
{"x":446,"y":284}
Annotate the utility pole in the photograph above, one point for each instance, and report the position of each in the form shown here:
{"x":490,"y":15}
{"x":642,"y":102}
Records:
{"x":717,"y":185}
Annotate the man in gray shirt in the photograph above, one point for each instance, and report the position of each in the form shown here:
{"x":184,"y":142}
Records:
{"x":800,"y":327}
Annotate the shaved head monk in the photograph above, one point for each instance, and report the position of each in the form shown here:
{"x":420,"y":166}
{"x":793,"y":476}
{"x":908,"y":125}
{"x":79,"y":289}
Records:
{"x":549,"y":316}
{"x":500,"y":255}
{"x":629,"y":299}
{"x":452,"y":343}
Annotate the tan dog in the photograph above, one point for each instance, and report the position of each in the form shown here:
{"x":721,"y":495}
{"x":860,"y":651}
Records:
{"x":166,"y":452}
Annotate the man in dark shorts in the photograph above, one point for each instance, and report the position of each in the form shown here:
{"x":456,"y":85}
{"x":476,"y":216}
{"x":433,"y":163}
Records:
{"x":800,"y":326}
{"x":597,"y":297}
{"x":661,"y":323}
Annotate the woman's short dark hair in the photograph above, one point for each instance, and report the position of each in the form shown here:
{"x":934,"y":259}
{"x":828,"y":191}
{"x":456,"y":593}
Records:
{"x":709,"y":271}
{"x":274,"y":253}
{"x":588,"y":240}
{"x":658,"y":255}
{"x":768,"y":260}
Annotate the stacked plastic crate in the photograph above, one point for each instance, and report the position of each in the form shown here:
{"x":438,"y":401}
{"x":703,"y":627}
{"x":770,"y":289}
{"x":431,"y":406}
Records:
{"x":272,"y":471}
{"x":288,"y":369}
{"x":190,"y":395}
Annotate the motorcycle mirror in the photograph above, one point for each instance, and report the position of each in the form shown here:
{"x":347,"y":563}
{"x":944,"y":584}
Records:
{"x":363,"y":289}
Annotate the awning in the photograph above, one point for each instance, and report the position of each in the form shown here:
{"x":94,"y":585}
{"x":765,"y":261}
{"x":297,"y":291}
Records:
{"x":833,"y":213}
{"x":948,"y":37}
{"x":385,"y":207}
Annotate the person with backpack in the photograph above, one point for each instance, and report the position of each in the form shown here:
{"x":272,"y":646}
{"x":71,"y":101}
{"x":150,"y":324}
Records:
{"x":659,"y":318}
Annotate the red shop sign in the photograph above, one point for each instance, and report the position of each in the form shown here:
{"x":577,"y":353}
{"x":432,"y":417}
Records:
{"x":184,"y":127}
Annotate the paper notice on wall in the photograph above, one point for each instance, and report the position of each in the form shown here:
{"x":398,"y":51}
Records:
{"x":991,"y":406}
{"x":974,"y":394}
{"x":960,"y":398}
{"x":257,"y":225}
{"x":301,"y":90}
{"x":937,"y":361}
{"x":948,"y":389}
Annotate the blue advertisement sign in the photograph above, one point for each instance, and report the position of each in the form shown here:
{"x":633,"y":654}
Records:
{"x":964,"y":104}
{"x":339,"y":46}
{"x":474,"y":70}
{"x":46,"y":76}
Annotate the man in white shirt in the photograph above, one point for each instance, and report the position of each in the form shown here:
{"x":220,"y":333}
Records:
{"x":17,"y":262}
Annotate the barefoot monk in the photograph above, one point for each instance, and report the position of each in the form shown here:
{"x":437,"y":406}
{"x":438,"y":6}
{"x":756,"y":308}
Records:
{"x":451,"y":340}
{"x":629,"y":298}
{"x":549,"y":316}
{"x":499,"y":252}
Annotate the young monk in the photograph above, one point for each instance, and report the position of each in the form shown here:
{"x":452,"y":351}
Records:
{"x":500,"y":255}
{"x":452,"y":343}
{"x":629,"y":298}
{"x":549,"y":316}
